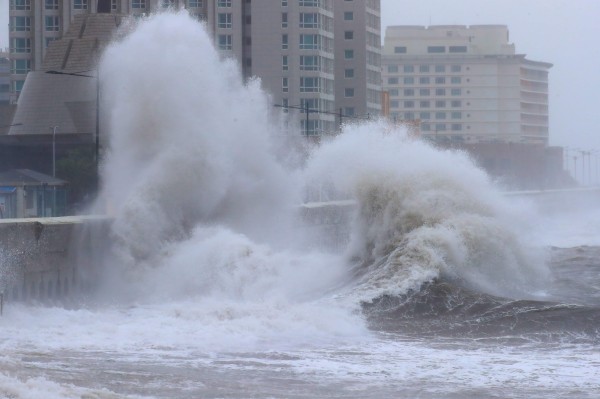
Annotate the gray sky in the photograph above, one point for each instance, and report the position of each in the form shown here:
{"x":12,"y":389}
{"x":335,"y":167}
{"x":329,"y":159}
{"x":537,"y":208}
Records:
{"x":562,"y":32}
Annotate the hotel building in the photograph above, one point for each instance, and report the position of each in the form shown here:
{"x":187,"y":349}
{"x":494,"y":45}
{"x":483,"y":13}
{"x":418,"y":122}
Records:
{"x":465,"y":84}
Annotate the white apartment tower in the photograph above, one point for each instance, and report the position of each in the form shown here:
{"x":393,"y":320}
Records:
{"x":465,"y":84}
{"x":320,"y":55}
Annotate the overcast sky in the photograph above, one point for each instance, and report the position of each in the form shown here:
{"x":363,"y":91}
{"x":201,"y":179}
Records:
{"x":562,"y":32}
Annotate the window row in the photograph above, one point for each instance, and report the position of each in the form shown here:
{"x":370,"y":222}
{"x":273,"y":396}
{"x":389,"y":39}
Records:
{"x":438,"y":68}
{"x":309,"y":42}
{"x":425,"y":80}
{"x":425,"y":92}
{"x":310,"y":84}
{"x":434,"y":115}
{"x":425,"y":104}
{"x":434,"y":49}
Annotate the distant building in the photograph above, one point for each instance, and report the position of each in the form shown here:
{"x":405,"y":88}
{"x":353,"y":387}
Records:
{"x":296,"y":47}
{"x":465,"y":84}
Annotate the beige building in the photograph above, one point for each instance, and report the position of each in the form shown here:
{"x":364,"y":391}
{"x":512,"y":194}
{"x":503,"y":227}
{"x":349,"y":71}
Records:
{"x":323,"y":55}
{"x":465,"y":84}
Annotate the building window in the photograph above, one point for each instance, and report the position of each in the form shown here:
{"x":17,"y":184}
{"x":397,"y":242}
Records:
{"x":400,"y":50}
{"x":349,"y":54}
{"x":20,"y":24}
{"x":424,"y":104}
{"x":409,"y":92}
{"x":18,"y":85}
{"x":309,"y":63}
{"x":424,"y":80}
{"x":440,"y":127}
{"x":348,"y":16}
{"x":195,"y":3}
{"x":284,"y":19}
{"x":409,"y":68}
{"x":409,"y":104}
{"x":21,"y":67}
{"x":168,"y":3}
{"x":284,"y":42}
{"x":20,"y":45}
{"x":284,"y":62}
{"x":440,"y":104}
{"x":455,"y":68}
{"x":392,"y":81}
{"x":440,"y":80}
{"x":349,"y":111}
{"x":224,"y":3}
{"x":224,"y":20}
{"x":225,"y":42}
{"x":284,"y":3}
{"x":312,"y":104}
{"x":425,"y":115}
{"x":284,"y":85}
{"x":455,"y":80}
{"x":348,"y":35}
{"x":456,"y":127}
{"x":49,"y":40}
{"x":436,"y":49}
{"x":440,"y":115}
{"x":80,"y":4}
{"x":424,"y":68}
{"x":138,"y":3}
{"x":456,"y":115}
{"x":309,"y":20}
{"x":409,"y":80}
{"x":409,"y":116}
{"x":457,"y":49}
{"x":310,"y":3}
{"x":309,"y":42}
{"x":349,"y":73}
{"x":424,"y":92}
{"x":51,"y":4}
{"x":455,"y":92}
{"x":426,"y":127}
{"x":393,"y":68}
{"x":52,"y":24}
{"x":440,"y":92}
{"x":394,"y":104}
{"x":348,"y":92}
{"x":456,"y":104}
{"x":20,"y":5}
{"x":440,"y":68}
{"x":393,"y":92}
{"x":309,"y":85}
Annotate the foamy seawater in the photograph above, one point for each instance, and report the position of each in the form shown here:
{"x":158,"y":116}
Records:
{"x":215,"y":286}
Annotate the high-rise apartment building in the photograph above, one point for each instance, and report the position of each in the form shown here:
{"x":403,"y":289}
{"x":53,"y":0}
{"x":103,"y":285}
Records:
{"x":320,"y":55}
{"x":465,"y":84}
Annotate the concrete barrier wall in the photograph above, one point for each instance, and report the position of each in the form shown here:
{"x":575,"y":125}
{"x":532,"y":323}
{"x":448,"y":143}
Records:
{"x":49,"y":259}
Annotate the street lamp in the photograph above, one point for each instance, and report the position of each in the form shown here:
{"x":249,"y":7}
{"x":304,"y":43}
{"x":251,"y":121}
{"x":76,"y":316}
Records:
{"x":97,"y":138}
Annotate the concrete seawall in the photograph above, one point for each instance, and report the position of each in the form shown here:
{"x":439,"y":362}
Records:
{"x":56,"y":259}
{"x":38,"y":261}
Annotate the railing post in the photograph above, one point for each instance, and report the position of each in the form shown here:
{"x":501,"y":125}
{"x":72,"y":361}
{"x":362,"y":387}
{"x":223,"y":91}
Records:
{"x":1,"y":303}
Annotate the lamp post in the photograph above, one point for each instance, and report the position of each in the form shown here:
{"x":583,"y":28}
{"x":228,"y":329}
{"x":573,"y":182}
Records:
{"x":97,"y":135}
{"x":54,"y":169}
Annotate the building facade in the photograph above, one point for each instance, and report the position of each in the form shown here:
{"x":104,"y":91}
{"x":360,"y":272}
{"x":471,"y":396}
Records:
{"x":465,"y":84}
{"x":318,"y":55}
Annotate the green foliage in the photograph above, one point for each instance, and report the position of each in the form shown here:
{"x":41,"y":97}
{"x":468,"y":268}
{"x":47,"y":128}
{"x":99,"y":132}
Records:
{"x":78,"y":167}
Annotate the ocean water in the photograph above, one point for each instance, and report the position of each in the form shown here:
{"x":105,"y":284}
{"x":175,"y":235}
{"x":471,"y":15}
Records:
{"x":216,"y":288}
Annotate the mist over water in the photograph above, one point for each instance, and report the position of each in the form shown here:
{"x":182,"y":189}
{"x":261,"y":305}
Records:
{"x":215,"y":276}
{"x":204,"y":205}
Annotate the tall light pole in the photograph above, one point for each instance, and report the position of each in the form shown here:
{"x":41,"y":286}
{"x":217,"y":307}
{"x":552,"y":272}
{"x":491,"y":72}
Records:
{"x":97,"y":138}
{"x":54,"y":169}
{"x":53,"y":150}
